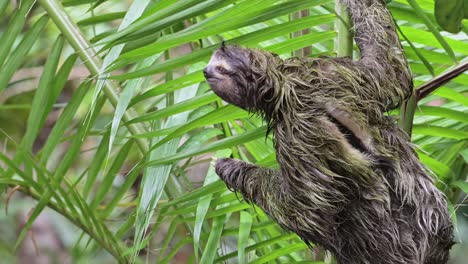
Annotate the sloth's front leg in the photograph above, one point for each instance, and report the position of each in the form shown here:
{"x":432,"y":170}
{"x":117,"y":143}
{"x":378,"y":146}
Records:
{"x":262,"y":186}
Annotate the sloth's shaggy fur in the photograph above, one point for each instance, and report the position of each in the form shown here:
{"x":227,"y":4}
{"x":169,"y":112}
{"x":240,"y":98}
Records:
{"x":349,"y":179}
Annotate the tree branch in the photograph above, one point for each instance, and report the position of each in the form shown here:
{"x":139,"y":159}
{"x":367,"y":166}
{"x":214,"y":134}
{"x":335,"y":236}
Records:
{"x":430,"y":86}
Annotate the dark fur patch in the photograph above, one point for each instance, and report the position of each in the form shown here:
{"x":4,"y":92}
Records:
{"x":349,"y":135}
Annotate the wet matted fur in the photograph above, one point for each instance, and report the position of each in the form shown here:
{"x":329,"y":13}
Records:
{"x":349,"y":180}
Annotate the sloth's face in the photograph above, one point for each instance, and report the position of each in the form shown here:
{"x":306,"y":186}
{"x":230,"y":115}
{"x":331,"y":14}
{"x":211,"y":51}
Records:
{"x":229,"y":75}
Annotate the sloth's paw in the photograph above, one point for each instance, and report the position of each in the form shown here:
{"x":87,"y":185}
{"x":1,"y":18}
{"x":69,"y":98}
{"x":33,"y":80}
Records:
{"x":228,"y":170}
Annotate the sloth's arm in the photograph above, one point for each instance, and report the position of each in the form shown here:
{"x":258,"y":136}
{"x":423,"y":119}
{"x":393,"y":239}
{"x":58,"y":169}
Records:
{"x":261,"y":186}
{"x":382,"y":58}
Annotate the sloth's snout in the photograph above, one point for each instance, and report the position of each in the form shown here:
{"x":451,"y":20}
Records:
{"x":207,"y":72}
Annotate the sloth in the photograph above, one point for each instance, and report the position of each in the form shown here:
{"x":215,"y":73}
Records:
{"x":349,"y":180}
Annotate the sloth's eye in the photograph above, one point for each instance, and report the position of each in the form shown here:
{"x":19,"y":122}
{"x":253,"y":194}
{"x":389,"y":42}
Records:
{"x":221,"y":70}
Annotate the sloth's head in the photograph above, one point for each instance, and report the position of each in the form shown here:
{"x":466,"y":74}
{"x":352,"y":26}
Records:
{"x":229,"y":75}
{"x":246,"y":78}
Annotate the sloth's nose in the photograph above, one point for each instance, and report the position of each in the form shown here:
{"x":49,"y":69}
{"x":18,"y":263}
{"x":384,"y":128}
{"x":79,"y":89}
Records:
{"x":206,"y":73}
